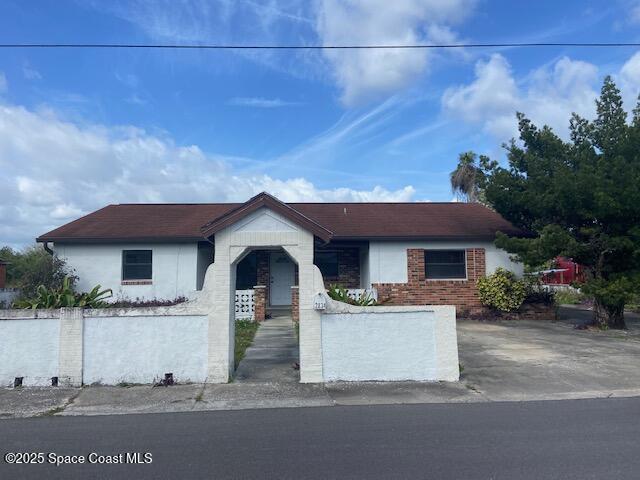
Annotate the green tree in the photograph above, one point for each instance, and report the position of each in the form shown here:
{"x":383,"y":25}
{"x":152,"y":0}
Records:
{"x":32,"y":267}
{"x":579,"y":199}
{"x":468,"y":179}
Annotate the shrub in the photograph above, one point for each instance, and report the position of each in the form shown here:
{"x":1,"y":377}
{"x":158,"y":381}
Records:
{"x":502,"y":291}
{"x":569,"y":297}
{"x":138,"y":303}
{"x":32,"y":267}
{"x":65,"y":296}
{"x":340,"y":294}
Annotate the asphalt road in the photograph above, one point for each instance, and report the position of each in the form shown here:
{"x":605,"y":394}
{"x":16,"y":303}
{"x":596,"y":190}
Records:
{"x":570,"y":439}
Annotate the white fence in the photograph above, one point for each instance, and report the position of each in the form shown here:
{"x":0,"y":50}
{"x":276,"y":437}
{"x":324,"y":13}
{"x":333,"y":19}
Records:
{"x":387,"y":343}
{"x":244,"y":304}
{"x":106,"y":346}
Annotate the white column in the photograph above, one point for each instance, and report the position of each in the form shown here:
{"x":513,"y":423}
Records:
{"x":70,"y":356}
{"x":310,"y":283}
{"x":220,"y":298}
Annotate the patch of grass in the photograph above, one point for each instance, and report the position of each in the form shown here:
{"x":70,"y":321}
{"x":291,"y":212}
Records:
{"x":568,"y":297}
{"x":53,"y":411}
{"x":245,"y":331}
{"x":127,"y":384}
{"x":199,"y":397}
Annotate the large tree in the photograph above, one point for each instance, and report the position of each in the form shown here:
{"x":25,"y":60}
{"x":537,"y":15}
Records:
{"x":578,"y":198}
{"x":468,"y":179}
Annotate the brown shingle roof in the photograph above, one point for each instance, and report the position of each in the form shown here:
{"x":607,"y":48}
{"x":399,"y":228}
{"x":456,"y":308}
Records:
{"x":168,"y":222}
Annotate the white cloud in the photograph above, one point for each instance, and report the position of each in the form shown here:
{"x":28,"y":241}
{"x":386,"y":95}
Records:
{"x":629,"y":80}
{"x":259,"y":102}
{"x":4,"y":85}
{"x":29,"y":72}
{"x":363,"y":74}
{"x":634,"y":12}
{"x":54,"y":170}
{"x":547,"y":95}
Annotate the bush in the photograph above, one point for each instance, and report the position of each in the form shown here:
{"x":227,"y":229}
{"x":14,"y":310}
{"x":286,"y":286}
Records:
{"x":138,"y":303}
{"x":65,"y":296}
{"x":32,"y":267}
{"x":502,"y":291}
{"x":569,"y":297}
{"x":341,"y":294}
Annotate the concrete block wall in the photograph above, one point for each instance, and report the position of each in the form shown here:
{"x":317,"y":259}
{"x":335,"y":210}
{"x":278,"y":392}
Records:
{"x":389,"y":343}
{"x":107,"y":346}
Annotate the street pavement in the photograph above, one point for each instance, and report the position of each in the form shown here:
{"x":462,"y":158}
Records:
{"x":569,"y":439}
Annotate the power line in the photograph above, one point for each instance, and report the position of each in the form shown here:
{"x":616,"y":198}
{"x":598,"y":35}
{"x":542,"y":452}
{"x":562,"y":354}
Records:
{"x":312,"y":47}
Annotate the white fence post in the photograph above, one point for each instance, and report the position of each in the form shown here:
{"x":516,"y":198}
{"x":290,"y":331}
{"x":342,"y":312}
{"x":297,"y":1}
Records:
{"x":70,"y":353}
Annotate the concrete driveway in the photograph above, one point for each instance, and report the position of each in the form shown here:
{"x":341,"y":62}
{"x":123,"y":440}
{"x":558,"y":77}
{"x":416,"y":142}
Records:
{"x":549,"y":360}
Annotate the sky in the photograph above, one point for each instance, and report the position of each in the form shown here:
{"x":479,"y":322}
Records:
{"x":80,"y":129}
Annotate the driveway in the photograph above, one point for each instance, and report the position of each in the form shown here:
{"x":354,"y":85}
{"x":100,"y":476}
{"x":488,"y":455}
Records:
{"x":549,"y":360}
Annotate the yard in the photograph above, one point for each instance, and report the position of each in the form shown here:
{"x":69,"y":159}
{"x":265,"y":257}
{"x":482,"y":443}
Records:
{"x":245,"y":331}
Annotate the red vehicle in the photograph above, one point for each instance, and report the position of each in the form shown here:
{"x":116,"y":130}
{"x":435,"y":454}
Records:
{"x":564,"y":272}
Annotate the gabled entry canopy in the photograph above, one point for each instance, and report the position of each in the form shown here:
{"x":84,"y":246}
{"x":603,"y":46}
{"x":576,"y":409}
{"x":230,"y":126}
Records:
{"x":260,"y":201}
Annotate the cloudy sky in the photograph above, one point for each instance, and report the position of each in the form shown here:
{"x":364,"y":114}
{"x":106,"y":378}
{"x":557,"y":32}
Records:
{"x":80,"y":129}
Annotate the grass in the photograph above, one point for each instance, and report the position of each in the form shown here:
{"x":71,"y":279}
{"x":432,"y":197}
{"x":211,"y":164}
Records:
{"x":245,"y":331}
{"x":568,"y":297}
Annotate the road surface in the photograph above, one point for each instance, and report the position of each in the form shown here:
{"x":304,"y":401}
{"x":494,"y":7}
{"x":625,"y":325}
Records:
{"x":569,"y":439}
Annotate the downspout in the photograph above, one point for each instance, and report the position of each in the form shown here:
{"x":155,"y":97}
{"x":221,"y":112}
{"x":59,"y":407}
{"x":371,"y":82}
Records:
{"x":46,"y":248}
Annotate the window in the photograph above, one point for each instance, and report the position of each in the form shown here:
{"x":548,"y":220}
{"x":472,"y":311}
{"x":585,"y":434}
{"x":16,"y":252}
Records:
{"x":136,"y":265}
{"x":445,"y":264}
{"x":327,"y":262}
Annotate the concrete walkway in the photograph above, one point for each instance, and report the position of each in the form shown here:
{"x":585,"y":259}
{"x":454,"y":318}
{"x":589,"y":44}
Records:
{"x":271,"y":356}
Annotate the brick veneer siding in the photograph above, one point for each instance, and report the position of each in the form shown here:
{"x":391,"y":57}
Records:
{"x":420,"y":291}
{"x":295,"y":303}
{"x":3,"y":275}
{"x":259,"y":303}
{"x":262,"y":273}
{"x":348,"y":268}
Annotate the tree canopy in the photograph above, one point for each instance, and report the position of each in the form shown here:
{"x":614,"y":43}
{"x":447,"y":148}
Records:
{"x":578,"y":198}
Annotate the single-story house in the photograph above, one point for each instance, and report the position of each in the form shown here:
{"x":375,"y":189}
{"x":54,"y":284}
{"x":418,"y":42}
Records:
{"x":410,"y":253}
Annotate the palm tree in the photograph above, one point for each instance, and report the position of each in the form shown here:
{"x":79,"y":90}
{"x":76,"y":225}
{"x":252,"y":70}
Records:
{"x":466,"y":179}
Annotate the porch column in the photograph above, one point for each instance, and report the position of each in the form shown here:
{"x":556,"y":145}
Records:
{"x":309,"y":283}
{"x":259,"y":303}
{"x":219,"y":296}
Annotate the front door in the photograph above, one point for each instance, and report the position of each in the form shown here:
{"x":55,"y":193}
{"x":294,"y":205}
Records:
{"x":282,"y":272}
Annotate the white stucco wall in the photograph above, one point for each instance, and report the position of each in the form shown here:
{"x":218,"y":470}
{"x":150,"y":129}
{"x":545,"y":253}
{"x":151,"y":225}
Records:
{"x":390,"y":343}
{"x":388,"y":259}
{"x":29,"y":349}
{"x":142,"y":349}
{"x":175,"y":269}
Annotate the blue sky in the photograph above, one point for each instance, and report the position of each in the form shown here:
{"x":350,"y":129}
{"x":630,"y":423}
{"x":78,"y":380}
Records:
{"x":83,"y":128}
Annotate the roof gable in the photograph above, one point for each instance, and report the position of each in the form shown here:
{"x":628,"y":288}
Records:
{"x":264,"y":200}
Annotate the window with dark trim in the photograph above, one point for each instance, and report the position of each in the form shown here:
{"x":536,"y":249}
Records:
{"x":327,"y":262}
{"x":445,"y":264}
{"x":136,"y":265}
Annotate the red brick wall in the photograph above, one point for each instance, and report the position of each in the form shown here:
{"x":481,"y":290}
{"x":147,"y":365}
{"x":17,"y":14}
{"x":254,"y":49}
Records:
{"x":348,"y":268}
{"x":3,"y":275}
{"x":262,"y":267}
{"x":295,"y":304}
{"x":420,"y":291}
{"x":259,"y":303}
